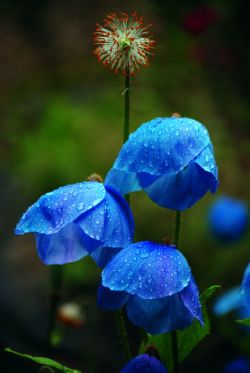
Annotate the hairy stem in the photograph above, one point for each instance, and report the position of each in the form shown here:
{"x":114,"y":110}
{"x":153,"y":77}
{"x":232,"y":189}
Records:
{"x":123,"y":334}
{"x":175,"y":352}
{"x":177,"y":228}
{"x":56,"y":276}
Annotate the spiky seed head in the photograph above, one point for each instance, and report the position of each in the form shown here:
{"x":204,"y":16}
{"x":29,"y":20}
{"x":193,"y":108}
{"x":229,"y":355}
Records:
{"x":123,"y":43}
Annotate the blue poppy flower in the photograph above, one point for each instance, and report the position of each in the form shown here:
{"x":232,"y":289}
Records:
{"x":236,"y":299}
{"x":156,"y":284}
{"x":79,"y":219}
{"x":238,"y":365}
{"x":171,"y":159}
{"x":228,"y":218}
{"x":144,"y":364}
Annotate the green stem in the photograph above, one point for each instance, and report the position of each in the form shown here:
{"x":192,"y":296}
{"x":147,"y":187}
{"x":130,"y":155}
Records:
{"x":126,"y":121}
{"x":177,"y":228}
{"x":118,"y":314}
{"x":174,"y":336}
{"x":56,"y":275}
{"x":174,"y":341}
{"x":126,"y":107}
{"x":123,"y":334}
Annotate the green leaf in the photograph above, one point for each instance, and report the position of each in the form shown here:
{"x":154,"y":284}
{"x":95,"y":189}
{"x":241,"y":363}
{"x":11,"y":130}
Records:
{"x":44,"y":361}
{"x":245,"y":322}
{"x":187,"y":338}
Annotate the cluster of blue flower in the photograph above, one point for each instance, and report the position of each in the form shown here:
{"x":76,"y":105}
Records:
{"x":172,"y":160}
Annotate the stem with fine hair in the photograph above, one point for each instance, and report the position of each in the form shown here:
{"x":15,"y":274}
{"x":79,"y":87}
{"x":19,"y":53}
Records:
{"x":56,"y":276}
{"x":175,"y":352}
{"x":126,"y":93}
{"x":118,"y":314}
{"x":174,"y":336}
{"x":123,"y":334}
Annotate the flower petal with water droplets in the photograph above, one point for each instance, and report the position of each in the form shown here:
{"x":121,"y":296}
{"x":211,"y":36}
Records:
{"x":190,"y":298}
{"x":111,"y":222}
{"x":56,"y":209}
{"x":148,"y":270}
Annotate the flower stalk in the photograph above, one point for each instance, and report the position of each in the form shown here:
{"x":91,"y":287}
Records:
{"x":56,"y":277}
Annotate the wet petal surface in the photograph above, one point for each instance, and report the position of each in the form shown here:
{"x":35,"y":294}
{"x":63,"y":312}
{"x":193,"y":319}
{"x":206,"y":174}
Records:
{"x":56,"y":209}
{"x":111,"y":222}
{"x":148,"y":270}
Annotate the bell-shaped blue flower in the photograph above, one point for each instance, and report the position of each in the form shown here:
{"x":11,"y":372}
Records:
{"x":236,"y":299}
{"x":228,"y":218}
{"x":144,"y":364}
{"x":156,"y":284}
{"x":171,"y":159}
{"x":79,"y":219}
{"x":238,"y":365}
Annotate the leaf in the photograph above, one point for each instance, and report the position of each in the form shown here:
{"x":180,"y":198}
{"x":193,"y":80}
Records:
{"x":44,"y":361}
{"x":187,"y":338}
{"x":245,"y":322}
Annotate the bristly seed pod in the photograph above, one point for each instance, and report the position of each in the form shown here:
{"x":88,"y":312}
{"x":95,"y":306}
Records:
{"x":123,"y":43}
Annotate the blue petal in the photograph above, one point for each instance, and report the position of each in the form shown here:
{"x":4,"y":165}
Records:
{"x":245,"y":287}
{"x":227,"y":302}
{"x":144,"y":364}
{"x":228,"y":218}
{"x":148,"y":270}
{"x":238,"y":365}
{"x":161,"y":146}
{"x":159,"y":316}
{"x":56,"y":209}
{"x":208,"y":168}
{"x":111,"y":222}
{"x":103,"y":255}
{"x":123,"y":181}
{"x":190,"y":298}
{"x":111,"y":300}
{"x":181,"y":190}
{"x":63,"y":247}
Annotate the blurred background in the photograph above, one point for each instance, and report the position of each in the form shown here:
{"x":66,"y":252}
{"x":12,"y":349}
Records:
{"x":61,"y":120}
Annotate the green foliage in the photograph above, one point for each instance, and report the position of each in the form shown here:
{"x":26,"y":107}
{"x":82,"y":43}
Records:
{"x":44,"y":361}
{"x":245,"y":322}
{"x":187,"y":338}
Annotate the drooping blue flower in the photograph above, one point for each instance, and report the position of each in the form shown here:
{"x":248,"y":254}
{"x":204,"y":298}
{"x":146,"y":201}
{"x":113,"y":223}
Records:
{"x":144,"y":364}
{"x":79,"y":219}
{"x":238,"y":365}
{"x":228,"y":218}
{"x":236,"y":299}
{"x":156,"y":284}
{"x":171,"y":159}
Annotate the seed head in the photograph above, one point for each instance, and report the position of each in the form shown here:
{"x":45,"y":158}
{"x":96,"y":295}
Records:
{"x":123,"y":43}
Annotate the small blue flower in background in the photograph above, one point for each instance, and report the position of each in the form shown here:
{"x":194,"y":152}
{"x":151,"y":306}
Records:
{"x":238,"y":365}
{"x":236,"y":299}
{"x":144,"y":364}
{"x":228,"y":218}
{"x":156,"y":284}
{"x":79,"y":219}
{"x":171,"y":159}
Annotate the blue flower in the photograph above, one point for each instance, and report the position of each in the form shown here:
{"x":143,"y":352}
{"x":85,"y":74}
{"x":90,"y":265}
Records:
{"x":236,"y":299}
{"x":79,"y":219}
{"x":228,"y":218}
{"x":144,"y":364}
{"x":171,"y":159}
{"x":156,"y":284}
{"x":238,"y":365}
